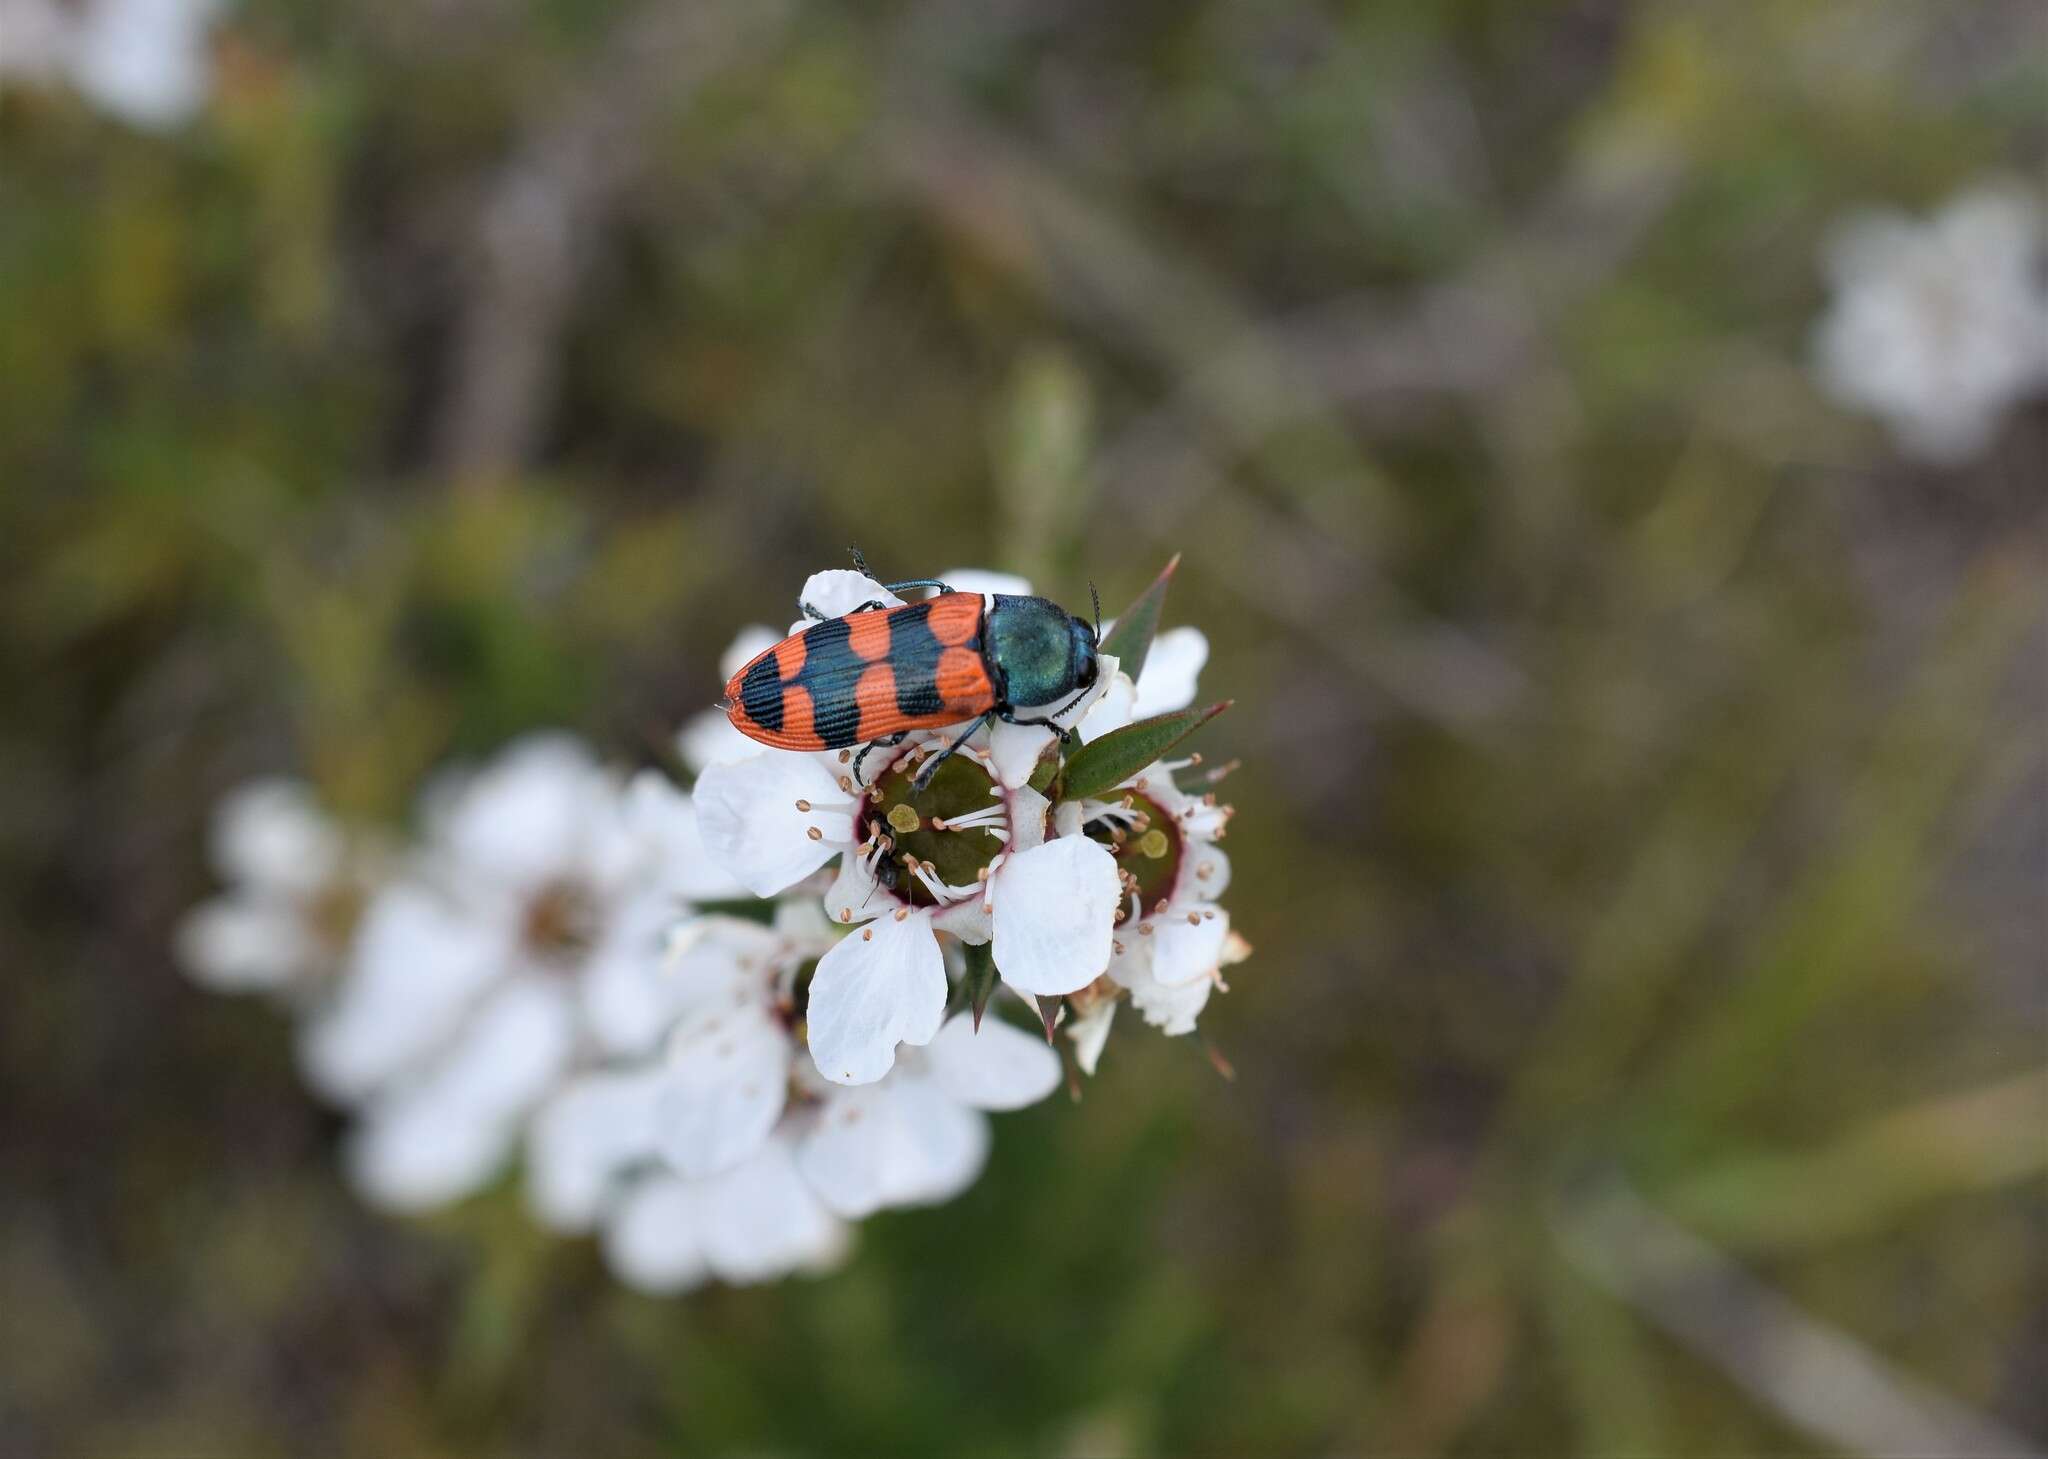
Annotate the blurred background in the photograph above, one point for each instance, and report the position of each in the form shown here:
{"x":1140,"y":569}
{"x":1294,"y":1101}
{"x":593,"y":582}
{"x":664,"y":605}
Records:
{"x":1641,"y":826}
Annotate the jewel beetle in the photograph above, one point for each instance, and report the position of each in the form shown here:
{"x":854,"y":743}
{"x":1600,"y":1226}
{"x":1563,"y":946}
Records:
{"x":873,"y":675}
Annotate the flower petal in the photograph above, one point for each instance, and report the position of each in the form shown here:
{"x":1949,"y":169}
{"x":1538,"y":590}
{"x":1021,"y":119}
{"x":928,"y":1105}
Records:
{"x":901,"y":1143}
{"x":664,"y":819}
{"x":855,"y":895}
{"x":1172,"y":667}
{"x":1090,"y":1032}
{"x":723,"y":1088}
{"x":1113,"y":708}
{"x":241,"y":944}
{"x":839,"y":591}
{"x":750,"y":821}
{"x":629,"y":997}
{"x":582,"y":1140}
{"x":760,"y":1220}
{"x":653,"y":1240}
{"x":881,"y":986}
{"x":415,"y":968}
{"x":415,"y":1154}
{"x":998,"y":1066}
{"x":1184,"y":950}
{"x":1171,"y":1008}
{"x":516,"y":1045}
{"x":1053,"y":908}
{"x":1014,"y":751}
{"x":272,"y":833}
{"x":529,"y":815}
{"x":1206,"y":872}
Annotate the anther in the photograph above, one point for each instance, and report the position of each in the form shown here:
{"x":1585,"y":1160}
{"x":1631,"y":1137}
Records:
{"x":815,"y":834}
{"x":1194,"y":919}
{"x":867,"y":934}
{"x":846,"y":914}
{"x":803,"y":805}
{"x":846,"y":783}
{"x":844,"y":756}
{"x":901,"y":913}
{"x":1144,"y":929}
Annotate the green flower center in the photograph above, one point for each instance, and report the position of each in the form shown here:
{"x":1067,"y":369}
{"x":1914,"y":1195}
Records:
{"x":919,"y":831}
{"x":1147,"y":845}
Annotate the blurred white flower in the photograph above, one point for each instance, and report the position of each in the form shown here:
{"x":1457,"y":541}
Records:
{"x":525,"y":938}
{"x":1939,"y":326}
{"x":35,"y":39}
{"x":296,"y":883}
{"x":766,"y":1201}
{"x":145,"y":62}
{"x":918,"y":1137}
{"x":591,"y":1165}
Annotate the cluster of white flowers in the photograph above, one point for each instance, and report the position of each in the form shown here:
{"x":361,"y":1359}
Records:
{"x":143,"y":61}
{"x":1939,"y":327}
{"x":1079,"y":901}
{"x":566,"y":965}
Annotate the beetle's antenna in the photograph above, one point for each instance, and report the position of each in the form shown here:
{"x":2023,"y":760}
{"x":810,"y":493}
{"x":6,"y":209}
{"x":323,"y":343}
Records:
{"x":1096,"y":598}
{"x":860,"y":563}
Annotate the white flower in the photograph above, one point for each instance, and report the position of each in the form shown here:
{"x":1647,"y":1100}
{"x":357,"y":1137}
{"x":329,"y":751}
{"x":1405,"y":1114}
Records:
{"x":591,"y":1165}
{"x":1172,"y":939}
{"x":1938,"y":327}
{"x":143,"y":61}
{"x":918,"y":1137}
{"x":296,"y":883}
{"x":982,"y":871}
{"x":526,"y":938}
{"x":35,"y":39}
{"x":775,"y":1201}
{"x":753,"y":1223}
{"x":728,"y":1067}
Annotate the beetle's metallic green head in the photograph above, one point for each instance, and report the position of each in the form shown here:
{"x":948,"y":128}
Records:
{"x":1041,"y":653}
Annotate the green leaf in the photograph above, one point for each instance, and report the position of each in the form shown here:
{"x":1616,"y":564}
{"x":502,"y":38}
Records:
{"x":1131,"y":639}
{"x":1107,"y":763}
{"x":980,"y":982}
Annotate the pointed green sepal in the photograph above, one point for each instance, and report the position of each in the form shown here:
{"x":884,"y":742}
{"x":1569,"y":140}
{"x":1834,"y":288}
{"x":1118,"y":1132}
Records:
{"x":1131,"y":639}
{"x":1103,"y":765}
{"x":980,"y":982}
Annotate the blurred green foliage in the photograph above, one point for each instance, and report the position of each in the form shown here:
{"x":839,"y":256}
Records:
{"x":1643,"y":773}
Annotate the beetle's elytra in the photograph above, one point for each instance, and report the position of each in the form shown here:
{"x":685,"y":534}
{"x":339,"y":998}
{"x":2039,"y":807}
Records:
{"x":878,"y":673}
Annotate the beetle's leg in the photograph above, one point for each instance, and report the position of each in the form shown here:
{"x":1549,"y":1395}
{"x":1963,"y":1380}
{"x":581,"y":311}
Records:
{"x":931,"y":766}
{"x":809,"y":612}
{"x":895,"y":739}
{"x":1050,"y":721}
{"x":860,"y":565}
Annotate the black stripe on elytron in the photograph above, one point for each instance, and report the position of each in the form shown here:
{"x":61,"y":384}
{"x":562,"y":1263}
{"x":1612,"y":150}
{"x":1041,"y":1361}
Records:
{"x":761,"y":693}
{"x":831,"y":673}
{"x":914,"y":655}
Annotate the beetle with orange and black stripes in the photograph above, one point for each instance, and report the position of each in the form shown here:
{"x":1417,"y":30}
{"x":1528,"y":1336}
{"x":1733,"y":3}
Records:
{"x":879,"y":672}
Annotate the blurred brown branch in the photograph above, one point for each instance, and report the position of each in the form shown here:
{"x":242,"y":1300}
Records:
{"x":549,"y":204}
